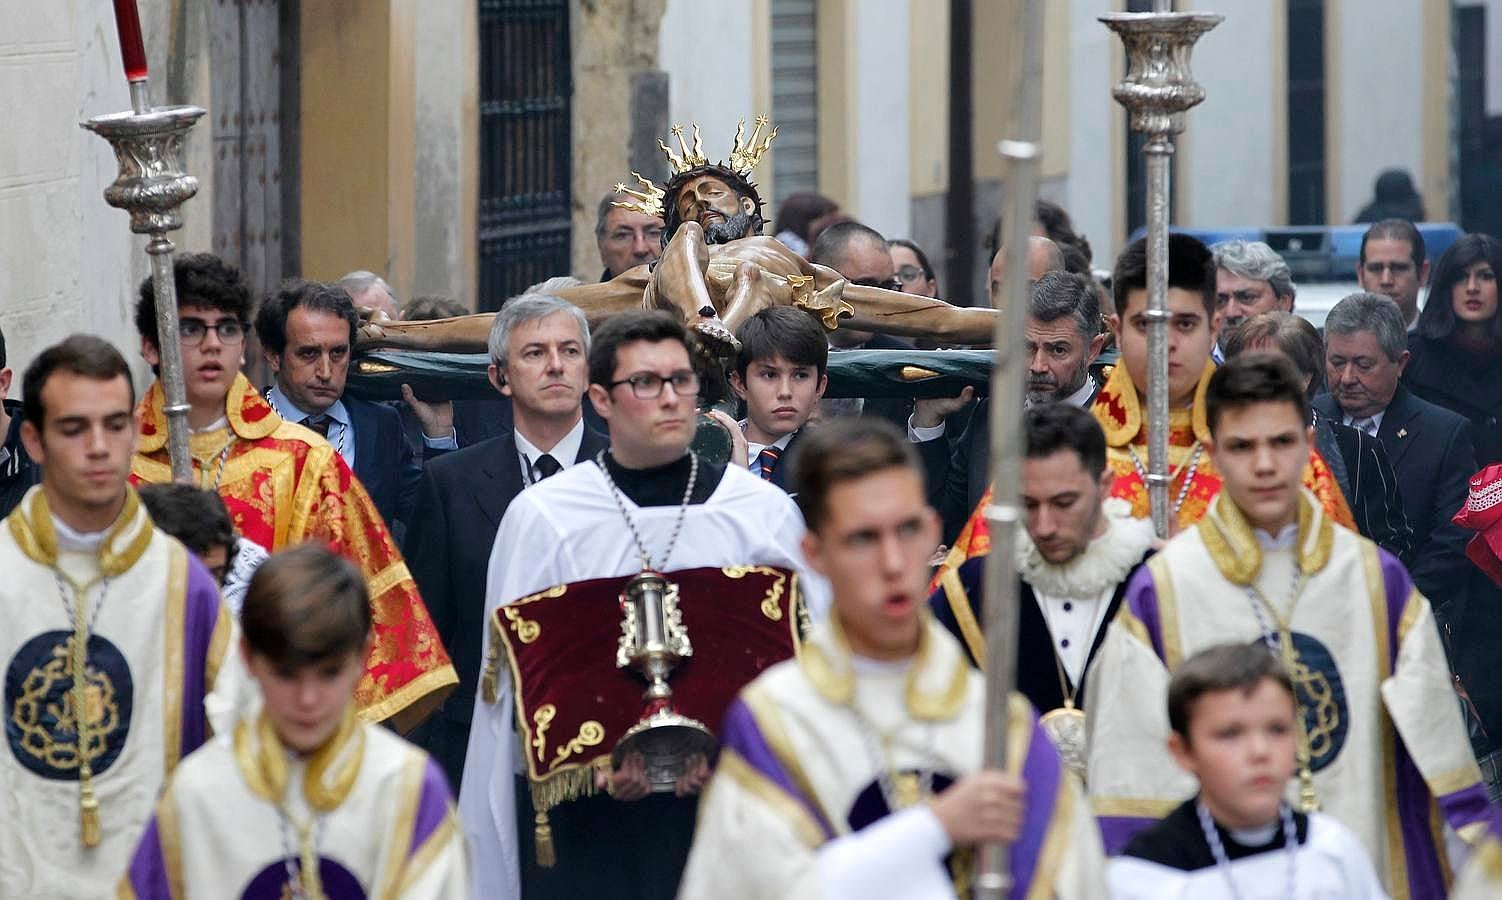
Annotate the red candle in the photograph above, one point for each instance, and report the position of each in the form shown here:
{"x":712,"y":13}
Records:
{"x":132,"y":50}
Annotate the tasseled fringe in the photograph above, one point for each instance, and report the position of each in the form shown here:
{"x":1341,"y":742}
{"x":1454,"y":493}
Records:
{"x":560,"y":788}
{"x":88,"y":809}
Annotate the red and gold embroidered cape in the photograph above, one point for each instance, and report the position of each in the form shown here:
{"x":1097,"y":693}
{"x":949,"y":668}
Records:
{"x":284,"y":485}
{"x":1119,"y":413}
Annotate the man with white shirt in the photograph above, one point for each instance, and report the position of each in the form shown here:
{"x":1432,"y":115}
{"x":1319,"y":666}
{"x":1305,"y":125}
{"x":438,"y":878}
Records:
{"x":538,"y":348}
{"x":1080,"y":547}
{"x":1393,"y":262}
{"x":1062,"y":339}
{"x":1429,"y":446}
{"x":307,"y":330}
{"x":648,"y":503}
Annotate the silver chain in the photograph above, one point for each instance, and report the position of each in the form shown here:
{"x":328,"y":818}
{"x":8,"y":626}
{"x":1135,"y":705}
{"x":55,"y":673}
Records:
{"x":620,"y":503}
{"x":292,"y":855}
{"x":885,"y":773}
{"x":1191,"y":468}
{"x":1223,"y":862}
{"x":63,"y":592}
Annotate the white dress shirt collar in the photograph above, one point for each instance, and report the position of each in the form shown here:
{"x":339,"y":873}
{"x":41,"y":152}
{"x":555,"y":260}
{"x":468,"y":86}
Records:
{"x":566,"y":451}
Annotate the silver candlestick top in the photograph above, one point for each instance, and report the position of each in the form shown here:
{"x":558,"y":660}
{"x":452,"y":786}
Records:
{"x":1158,"y":87}
{"x":151,"y":185}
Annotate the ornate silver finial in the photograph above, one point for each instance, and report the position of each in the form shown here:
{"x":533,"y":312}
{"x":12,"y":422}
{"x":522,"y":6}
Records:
{"x":1158,"y":86}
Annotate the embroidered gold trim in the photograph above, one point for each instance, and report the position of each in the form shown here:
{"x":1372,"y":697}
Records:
{"x":1168,"y":611}
{"x":770,"y":607}
{"x":263,"y":762}
{"x":542,"y":719}
{"x":1132,"y":807}
{"x":411,"y":703}
{"x":1455,"y":780}
{"x":388,"y":578}
{"x":526,"y":630}
{"x":174,"y":613}
{"x":409,"y":795}
{"x":425,"y":856}
{"x":946,"y":703}
{"x":1055,"y":840}
{"x":591,"y":733}
{"x":224,"y":626}
{"x":964,"y":615}
{"x":1413,"y":609}
{"x":170,"y":836}
{"x":769,"y":722}
{"x":735,"y":768}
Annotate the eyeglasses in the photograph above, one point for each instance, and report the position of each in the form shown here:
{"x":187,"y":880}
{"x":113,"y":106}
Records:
{"x":910,"y":274}
{"x":648,"y":385}
{"x":191,"y":331}
{"x":891,"y":284}
{"x":1397,"y":268}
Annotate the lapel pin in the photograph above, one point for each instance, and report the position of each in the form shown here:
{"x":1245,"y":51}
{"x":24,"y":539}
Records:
{"x":1402,"y":432}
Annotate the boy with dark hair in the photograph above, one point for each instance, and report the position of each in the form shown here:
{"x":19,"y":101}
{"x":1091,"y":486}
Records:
{"x":780,"y":374}
{"x":282,"y":483}
{"x":646,"y":503}
{"x":200,"y":520}
{"x":1379,"y":740}
{"x":115,"y":642}
{"x":1232,"y":711}
{"x":305,"y":800}
{"x":17,"y":472}
{"x":1121,"y":405}
{"x":854,"y":770}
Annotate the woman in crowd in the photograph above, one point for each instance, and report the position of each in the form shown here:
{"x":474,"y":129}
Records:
{"x":1456,"y":355}
{"x":913,"y":270}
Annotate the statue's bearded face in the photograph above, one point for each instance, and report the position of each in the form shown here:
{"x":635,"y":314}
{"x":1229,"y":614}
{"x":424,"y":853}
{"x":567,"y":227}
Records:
{"x":724,"y":214}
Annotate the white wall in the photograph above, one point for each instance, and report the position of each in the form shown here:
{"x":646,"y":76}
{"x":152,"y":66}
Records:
{"x":1228,"y":141}
{"x":879,"y":121}
{"x":1493,"y":56}
{"x":67,"y":261}
{"x":1381,"y":84}
{"x":1092,"y":109}
{"x":706,"y":50}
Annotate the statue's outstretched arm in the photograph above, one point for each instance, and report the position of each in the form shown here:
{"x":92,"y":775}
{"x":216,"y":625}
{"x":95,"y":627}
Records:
{"x":911,"y":315}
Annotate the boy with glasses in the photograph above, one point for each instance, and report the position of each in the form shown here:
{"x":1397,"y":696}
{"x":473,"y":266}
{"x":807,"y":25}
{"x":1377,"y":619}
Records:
{"x":282,"y":483}
{"x":646,"y":503}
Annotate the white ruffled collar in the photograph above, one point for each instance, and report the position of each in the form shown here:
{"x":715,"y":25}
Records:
{"x":1105,"y":562}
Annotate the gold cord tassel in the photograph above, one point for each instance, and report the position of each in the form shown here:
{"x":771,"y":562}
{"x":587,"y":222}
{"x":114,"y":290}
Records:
{"x":312,"y":880}
{"x":88,"y":807}
{"x":542,"y":833}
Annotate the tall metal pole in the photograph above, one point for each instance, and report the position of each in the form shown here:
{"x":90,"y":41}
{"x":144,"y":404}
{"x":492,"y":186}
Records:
{"x":1156,"y":91}
{"x":993,"y":879}
{"x":151,"y":186}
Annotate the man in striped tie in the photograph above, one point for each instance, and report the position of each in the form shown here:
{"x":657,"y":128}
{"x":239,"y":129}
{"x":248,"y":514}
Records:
{"x":780,"y":374}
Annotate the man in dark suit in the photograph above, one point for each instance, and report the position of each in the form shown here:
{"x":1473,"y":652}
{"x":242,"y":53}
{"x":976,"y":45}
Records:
{"x":1063,"y":338}
{"x":1430,"y":447}
{"x":539,"y":345}
{"x":306,"y":330}
{"x":860,"y":254}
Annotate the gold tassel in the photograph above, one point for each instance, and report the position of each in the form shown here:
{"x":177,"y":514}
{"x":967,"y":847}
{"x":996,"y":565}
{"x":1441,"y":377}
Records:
{"x":542,"y":834}
{"x":89,"y":816}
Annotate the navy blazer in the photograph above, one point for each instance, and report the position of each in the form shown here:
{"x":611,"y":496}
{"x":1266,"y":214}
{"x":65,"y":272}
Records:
{"x":1431,"y":453}
{"x":461,"y":498}
{"x":782,"y":470}
{"x":385,"y":462}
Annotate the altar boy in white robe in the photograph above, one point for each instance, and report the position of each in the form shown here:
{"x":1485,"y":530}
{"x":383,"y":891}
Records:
{"x":305,"y":800}
{"x":1232,"y":712}
{"x":1381,"y":743}
{"x":104,"y":615}
{"x":855,"y":770}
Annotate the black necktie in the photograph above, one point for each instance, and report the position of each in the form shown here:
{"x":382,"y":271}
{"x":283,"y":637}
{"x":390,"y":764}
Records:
{"x":319,"y":424}
{"x":547,"y":466}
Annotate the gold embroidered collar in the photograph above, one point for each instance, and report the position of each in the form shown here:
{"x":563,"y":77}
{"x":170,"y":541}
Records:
{"x":249,"y":415}
{"x":331,"y":771}
{"x":935,"y":682}
{"x":1120,"y":412}
{"x":1233,"y":545}
{"x":123,"y":545}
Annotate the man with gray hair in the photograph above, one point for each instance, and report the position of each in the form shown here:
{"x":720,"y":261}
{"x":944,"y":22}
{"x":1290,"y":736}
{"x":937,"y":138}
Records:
{"x":626,"y":238}
{"x":1430,"y":447}
{"x":1062,"y":337}
{"x":1250,"y":278}
{"x":539,"y":345}
{"x":370,"y":291}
